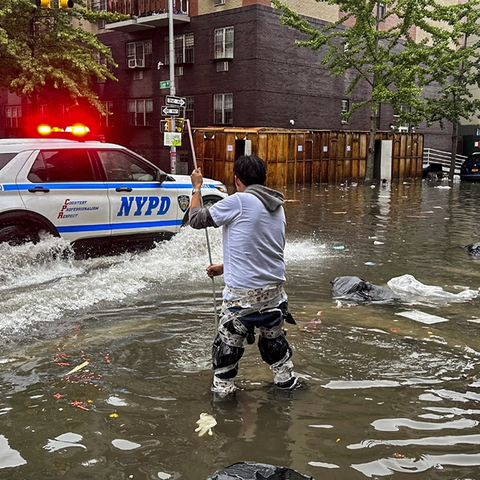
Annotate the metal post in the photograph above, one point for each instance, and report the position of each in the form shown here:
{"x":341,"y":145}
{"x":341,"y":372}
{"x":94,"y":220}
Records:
{"x":171,"y":62}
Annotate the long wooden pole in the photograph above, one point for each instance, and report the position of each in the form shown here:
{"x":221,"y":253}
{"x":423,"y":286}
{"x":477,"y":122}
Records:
{"x":206,"y":230}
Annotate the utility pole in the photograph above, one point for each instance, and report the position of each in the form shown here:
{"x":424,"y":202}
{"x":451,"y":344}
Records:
{"x":171,"y":63}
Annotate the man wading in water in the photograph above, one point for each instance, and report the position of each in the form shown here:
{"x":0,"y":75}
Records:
{"x":253,"y":222}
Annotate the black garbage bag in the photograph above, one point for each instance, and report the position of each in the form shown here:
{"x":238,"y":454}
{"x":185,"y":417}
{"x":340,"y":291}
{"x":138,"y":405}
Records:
{"x":473,"y":249}
{"x":257,"y":471}
{"x":359,"y":290}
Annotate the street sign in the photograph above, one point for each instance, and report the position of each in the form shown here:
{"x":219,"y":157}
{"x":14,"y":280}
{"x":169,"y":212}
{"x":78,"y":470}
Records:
{"x":180,"y":101}
{"x":165,"y":84}
{"x":170,"y":111}
{"x":172,"y":139}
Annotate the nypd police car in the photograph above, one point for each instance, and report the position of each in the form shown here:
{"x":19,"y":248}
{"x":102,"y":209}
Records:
{"x":96,"y":195}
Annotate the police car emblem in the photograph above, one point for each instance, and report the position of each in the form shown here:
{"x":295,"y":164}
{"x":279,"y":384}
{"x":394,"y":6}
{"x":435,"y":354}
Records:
{"x":184,"y":202}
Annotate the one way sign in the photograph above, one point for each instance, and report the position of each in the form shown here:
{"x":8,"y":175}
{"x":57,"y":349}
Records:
{"x":170,"y":111}
{"x":172,"y":100}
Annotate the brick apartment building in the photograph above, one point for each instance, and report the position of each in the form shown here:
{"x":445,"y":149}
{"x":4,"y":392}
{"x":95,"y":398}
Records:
{"x":235,"y":64}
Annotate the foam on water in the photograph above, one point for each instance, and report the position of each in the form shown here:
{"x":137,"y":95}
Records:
{"x":43,"y":282}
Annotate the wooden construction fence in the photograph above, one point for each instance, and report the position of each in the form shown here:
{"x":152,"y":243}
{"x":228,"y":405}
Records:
{"x":302,"y":156}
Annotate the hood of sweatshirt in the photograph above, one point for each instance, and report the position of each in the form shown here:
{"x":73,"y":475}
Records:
{"x":270,"y":198}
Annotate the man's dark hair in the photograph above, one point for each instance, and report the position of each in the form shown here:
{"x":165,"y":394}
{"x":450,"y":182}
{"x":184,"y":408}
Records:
{"x":250,"y":170}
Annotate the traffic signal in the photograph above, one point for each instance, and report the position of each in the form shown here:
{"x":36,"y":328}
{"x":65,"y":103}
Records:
{"x":43,"y":3}
{"x":179,"y":124}
{"x":165,"y":125}
{"x":65,"y":3}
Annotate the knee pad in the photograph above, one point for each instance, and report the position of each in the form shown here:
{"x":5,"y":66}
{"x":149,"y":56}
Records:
{"x":224,"y":356}
{"x":273,"y":350}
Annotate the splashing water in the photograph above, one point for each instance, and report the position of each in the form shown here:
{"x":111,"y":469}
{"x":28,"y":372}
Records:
{"x":43,"y":282}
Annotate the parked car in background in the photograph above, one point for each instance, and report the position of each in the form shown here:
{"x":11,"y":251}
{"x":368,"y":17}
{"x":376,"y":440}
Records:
{"x":101,"y":197}
{"x":470,"y":169}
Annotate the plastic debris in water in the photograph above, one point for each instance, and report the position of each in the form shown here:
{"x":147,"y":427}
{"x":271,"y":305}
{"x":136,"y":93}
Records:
{"x":79,"y":404}
{"x":422,"y":317}
{"x":370,"y":264}
{"x":205,"y":424}
{"x":78,"y":367}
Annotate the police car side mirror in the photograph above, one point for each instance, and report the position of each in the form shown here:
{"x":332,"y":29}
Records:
{"x":161,"y":176}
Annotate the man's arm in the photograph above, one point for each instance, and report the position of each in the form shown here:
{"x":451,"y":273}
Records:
{"x":199,"y":217}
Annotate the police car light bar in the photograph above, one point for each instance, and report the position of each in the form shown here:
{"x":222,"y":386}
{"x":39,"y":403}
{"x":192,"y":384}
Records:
{"x":76,"y":131}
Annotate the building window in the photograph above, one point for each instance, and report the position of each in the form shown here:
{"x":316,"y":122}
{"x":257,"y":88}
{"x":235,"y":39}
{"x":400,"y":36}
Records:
{"x":223,"y":109}
{"x":189,"y":112}
{"x":139,"y":54}
{"x":223,"y":43}
{"x":107,"y":120}
{"x":42,"y":110}
{"x":138,"y":75}
{"x":100,"y":6}
{"x":13,"y":116}
{"x":183,"y":47}
{"x":178,"y":71}
{"x":217,"y":3}
{"x":140,"y":112}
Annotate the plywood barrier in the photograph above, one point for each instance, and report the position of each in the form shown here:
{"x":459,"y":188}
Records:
{"x":303,"y":156}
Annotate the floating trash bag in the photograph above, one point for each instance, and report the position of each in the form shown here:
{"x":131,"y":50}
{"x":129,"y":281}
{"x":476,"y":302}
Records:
{"x":411,"y":290}
{"x":257,"y":471}
{"x":359,"y":290}
{"x":473,"y":249}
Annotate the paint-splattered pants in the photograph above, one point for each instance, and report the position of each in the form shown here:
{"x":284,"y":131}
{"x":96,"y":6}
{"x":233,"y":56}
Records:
{"x":265,"y":309}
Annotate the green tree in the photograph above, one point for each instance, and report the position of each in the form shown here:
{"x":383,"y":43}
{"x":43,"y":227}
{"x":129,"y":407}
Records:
{"x":456,"y":74}
{"x":48,"y":49}
{"x":394,"y":46}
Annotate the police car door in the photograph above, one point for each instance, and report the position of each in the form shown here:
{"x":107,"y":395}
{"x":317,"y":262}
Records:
{"x":62,"y":185}
{"x":139,"y":204}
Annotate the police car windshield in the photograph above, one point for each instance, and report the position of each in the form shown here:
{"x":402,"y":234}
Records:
{"x":5,"y":158}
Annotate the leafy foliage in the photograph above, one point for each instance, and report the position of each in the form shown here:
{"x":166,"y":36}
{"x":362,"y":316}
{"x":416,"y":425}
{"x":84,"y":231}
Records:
{"x":45,"y":49}
{"x":398,"y":51}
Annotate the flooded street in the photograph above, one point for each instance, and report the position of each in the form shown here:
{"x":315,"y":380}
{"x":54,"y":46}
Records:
{"x":386,"y":395}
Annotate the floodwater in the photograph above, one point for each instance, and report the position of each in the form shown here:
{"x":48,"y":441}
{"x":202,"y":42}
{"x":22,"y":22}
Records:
{"x":385,"y":396}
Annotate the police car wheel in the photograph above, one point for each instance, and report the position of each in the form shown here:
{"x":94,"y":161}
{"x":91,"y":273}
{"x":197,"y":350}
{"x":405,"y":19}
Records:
{"x":18,"y":235}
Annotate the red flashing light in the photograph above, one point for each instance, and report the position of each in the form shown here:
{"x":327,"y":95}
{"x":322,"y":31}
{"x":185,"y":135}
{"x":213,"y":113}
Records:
{"x":44,"y":129}
{"x":78,"y":129}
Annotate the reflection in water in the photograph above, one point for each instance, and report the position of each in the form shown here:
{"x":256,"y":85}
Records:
{"x":384,"y":394}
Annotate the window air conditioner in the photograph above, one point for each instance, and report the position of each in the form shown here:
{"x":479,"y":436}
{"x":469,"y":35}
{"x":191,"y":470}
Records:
{"x":140,"y":63}
{"x":222,"y":66}
{"x":132,"y":63}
